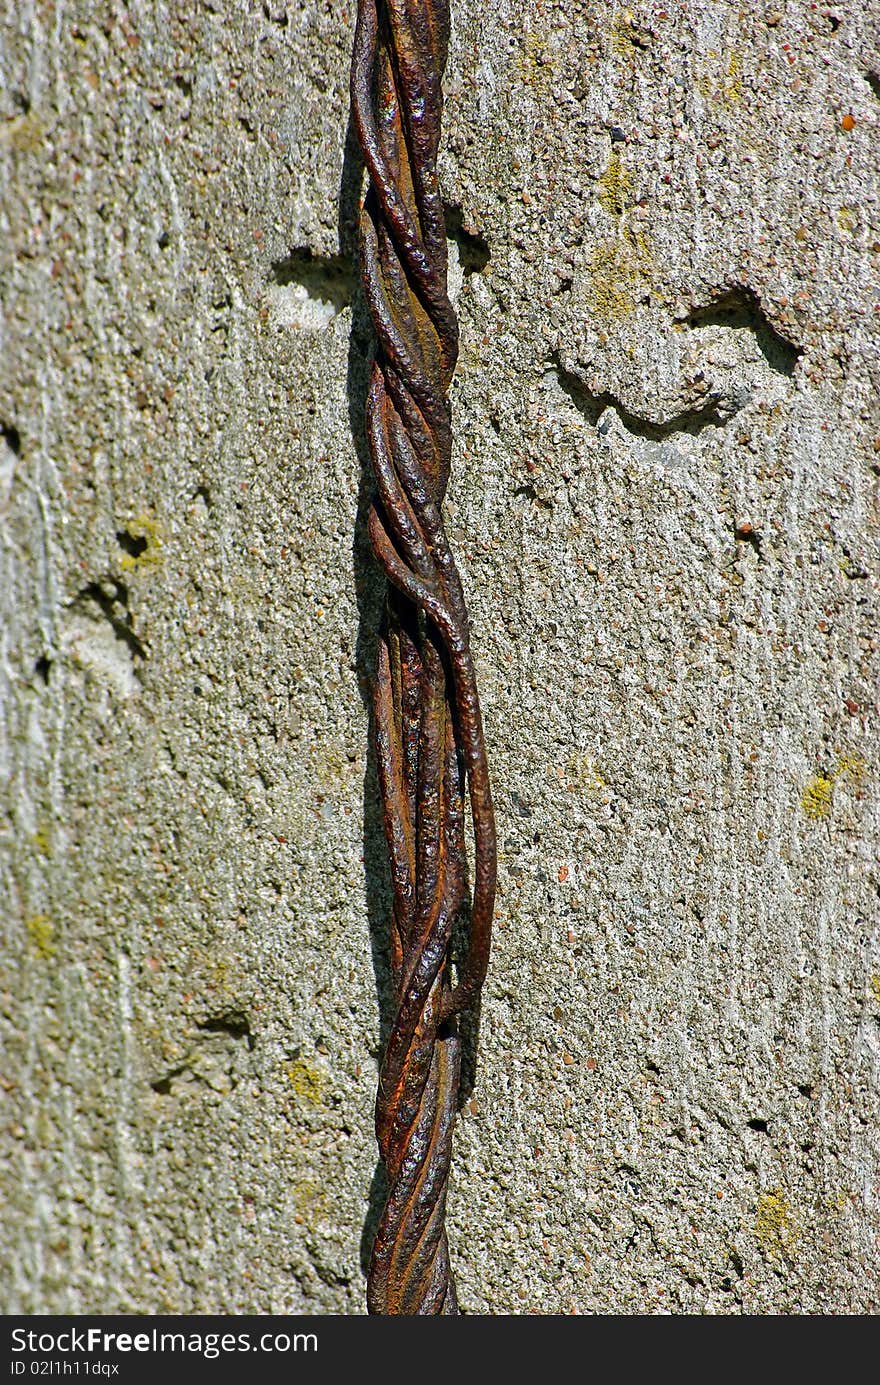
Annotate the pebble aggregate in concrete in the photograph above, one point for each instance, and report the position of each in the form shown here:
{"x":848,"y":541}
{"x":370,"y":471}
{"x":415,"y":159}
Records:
{"x":667,"y":267}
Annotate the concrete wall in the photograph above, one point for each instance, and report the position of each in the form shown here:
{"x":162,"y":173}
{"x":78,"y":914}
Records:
{"x":667,"y":224}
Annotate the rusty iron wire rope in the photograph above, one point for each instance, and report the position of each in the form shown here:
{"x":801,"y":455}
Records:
{"x":428,"y":734}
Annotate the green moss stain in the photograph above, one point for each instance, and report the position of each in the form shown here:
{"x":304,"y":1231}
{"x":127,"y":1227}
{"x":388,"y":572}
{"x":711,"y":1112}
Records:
{"x":41,"y":932}
{"x":306,"y":1081}
{"x":775,"y":1228}
{"x":816,"y":798}
{"x":615,"y":187}
{"x":875,"y":987}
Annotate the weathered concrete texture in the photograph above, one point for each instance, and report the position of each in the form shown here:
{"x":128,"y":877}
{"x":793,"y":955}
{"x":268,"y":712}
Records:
{"x":664,"y":503}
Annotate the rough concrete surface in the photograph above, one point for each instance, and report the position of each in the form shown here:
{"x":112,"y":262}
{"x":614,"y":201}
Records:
{"x":667,"y":232}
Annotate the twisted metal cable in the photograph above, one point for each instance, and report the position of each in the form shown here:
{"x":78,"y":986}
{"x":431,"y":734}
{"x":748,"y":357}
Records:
{"x":428,"y":732}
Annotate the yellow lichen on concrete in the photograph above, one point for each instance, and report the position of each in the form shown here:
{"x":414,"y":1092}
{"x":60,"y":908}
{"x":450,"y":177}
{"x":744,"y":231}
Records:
{"x":24,"y":134}
{"x":331,"y":766}
{"x":41,"y":932}
{"x":852,"y":767}
{"x":626,"y":34}
{"x":816,"y":797}
{"x":615,"y":187}
{"x":724,"y":87}
{"x":42,"y":841}
{"x":535,"y":64}
{"x":621,"y":32}
{"x":846,"y":219}
{"x":310,"y":1199}
{"x":619,"y":272}
{"x":220,"y":975}
{"x":775,"y":1227}
{"x":145,"y":527}
{"x":732,"y":88}
{"x":875,"y":987}
{"x":584,"y":775}
{"x":306,"y":1081}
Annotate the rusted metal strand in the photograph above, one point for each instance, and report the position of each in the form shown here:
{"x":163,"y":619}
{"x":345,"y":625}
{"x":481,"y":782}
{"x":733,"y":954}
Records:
{"x":428,"y":732}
